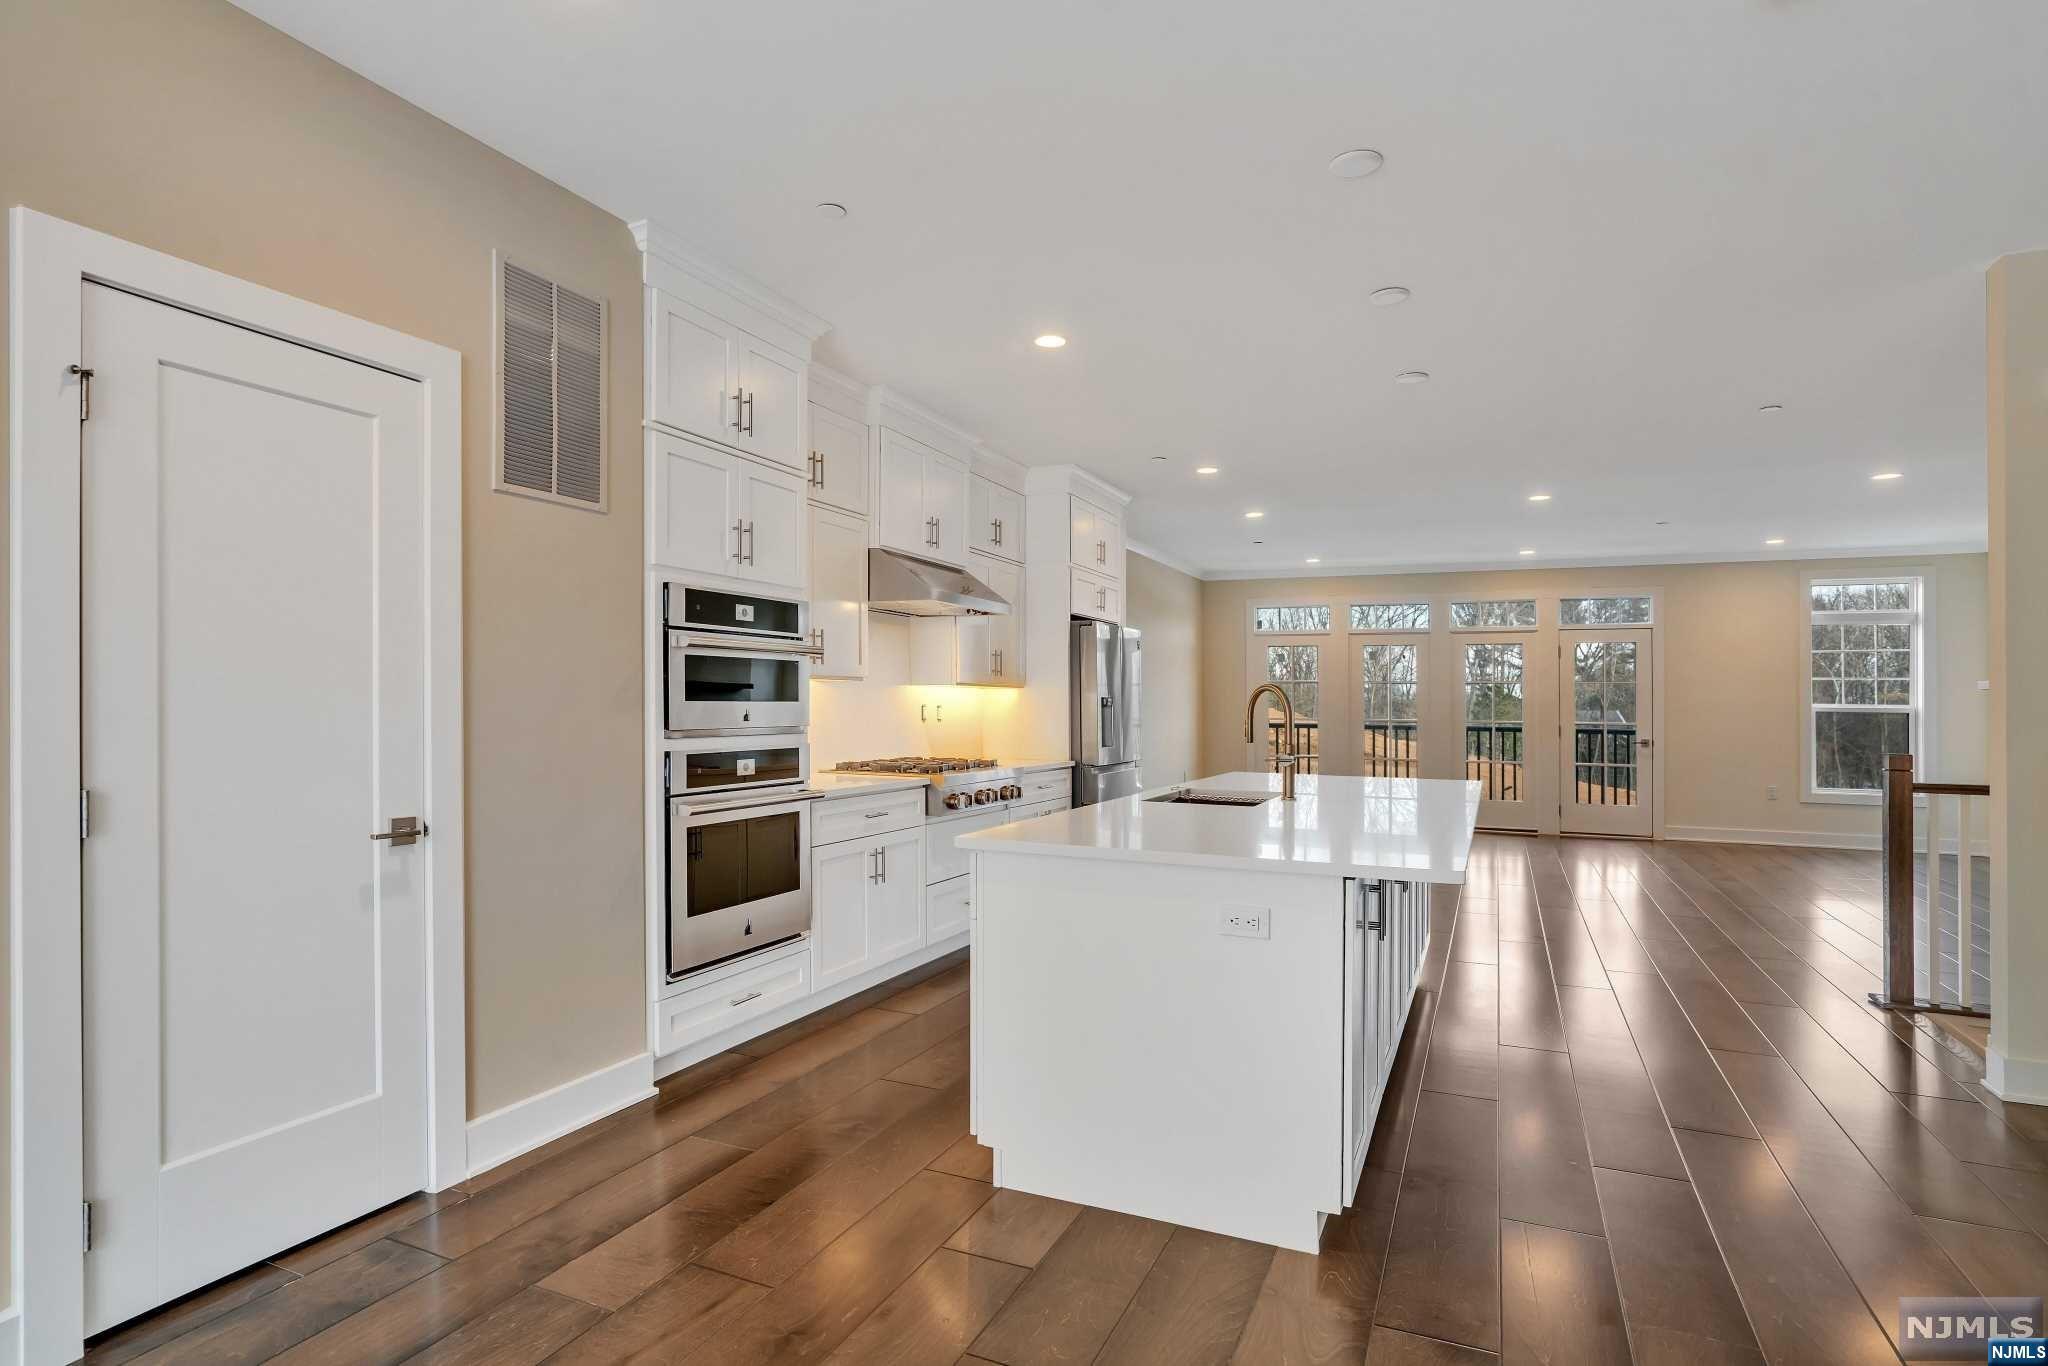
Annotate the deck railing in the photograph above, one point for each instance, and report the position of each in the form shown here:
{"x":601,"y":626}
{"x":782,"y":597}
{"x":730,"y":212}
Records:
{"x":1390,"y":749}
{"x":1937,"y":929}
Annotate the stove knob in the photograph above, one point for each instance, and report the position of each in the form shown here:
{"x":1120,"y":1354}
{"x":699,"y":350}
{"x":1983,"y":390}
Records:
{"x":956,"y":801}
{"x":984,"y":795}
{"x":1010,"y":792}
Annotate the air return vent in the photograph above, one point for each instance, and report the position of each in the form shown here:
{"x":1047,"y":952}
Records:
{"x":551,"y":359}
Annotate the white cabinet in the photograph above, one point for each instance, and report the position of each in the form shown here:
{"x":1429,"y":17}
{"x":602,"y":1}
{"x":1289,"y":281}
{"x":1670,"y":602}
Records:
{"x":1386,"y":930}
{"x":948,"y":908}
{"x":839,"y":590}
{"x":716,"y":513}
{"x":839,"y":461}
{"x":1095,"y":539}
{"x":723,"y":998}
{"x":1094,"y":597}
{"x":713,"y":379}
{"x":990,"y":650}
{"x":995,"y":519}
{"x":867,"y":903}
{"x":920,"y":500}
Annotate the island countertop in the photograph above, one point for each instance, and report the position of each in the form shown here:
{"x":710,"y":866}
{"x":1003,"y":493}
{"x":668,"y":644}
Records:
{"x":1410,"y":829}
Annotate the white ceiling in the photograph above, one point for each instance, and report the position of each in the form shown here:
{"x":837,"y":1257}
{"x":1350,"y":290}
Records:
{"x":1626,"y":226}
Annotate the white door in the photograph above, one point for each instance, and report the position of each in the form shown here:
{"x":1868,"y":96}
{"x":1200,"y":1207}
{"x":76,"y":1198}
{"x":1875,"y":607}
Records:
{"x":896,"y":900}
{"x":777,"y":540}
{"x":1513,"y":762}
{"x":1391,"y":690}
{"x":945,"y":502}
{"x":842,"y":876}
{"x":839,"y":583}
{"x":254,"y":684}
{"x":697,"y":521}
{"x":839,"y":460}
{"x":1604,"y":721}
{"x":901,"y":522}
{"x":772,"y":381}
{"x":693,"y":366}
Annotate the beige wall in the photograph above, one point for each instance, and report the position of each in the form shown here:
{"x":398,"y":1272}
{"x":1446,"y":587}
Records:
{"x":1167,"y":606}
{"x":189,"y":127}
{"x":1732,"y":636}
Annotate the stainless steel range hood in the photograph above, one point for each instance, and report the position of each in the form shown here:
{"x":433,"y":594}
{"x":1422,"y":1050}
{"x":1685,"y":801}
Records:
{"x":908,"y":586}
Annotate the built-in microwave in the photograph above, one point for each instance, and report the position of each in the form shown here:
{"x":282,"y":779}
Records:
{"x":738,"y":874}
{"x":734,"y":662}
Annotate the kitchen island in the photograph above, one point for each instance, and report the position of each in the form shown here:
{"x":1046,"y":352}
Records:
{"x":1188,"y":1011}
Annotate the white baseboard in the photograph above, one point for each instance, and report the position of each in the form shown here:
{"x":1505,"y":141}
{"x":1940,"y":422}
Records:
{"x":10,"y":1337}
{"x":1802,"y":839}
{"x":524,"y":1125}
{"x":671,"y":1063}
{"x":2023,"y":1081}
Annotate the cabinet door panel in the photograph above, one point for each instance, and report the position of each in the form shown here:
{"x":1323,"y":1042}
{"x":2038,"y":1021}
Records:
{"x":981,"y":516}
{"x":896,"y":902}
{"x":777,"y":540}
{"x":839,"y":470}
{"x":693,"y":367}
{"x":840,"y":887}
{"x":839,"y":585}
{"x":1081,"y":533}
{"x":695,"y":507}
{"x":1109,"y":535}
{"x":1006,"y":510}
{"x":899,"y":497}
{"x":773,"y":383}
{"x":1002,"y":640}
{"x":949,"y":908}
{"x":945,"y":498}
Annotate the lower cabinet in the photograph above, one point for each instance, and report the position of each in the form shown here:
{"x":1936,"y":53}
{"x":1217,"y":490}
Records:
{"x":948,"y":908}
{"x":768,"y":981}
{"x":867,"y":903}
{"x":1386,"y":930}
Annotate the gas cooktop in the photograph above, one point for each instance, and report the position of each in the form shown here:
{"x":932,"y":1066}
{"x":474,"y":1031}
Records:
{"x":912,"y":763}
{"x":956,"y":785}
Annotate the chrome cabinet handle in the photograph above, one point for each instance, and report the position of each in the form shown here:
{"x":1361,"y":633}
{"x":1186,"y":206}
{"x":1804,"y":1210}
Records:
{"x":750,"y":542}
{"x":739,"y":402}
{"x":404,"y":830}
{"x":884,"y":852}
{"x":814,"y":481}
{"x":748,"y":404}
{"x":876,"y":815}
{"x":997,"y":527}
{"x":1102,"y":552}
{"x":739,"y":538}
{"x":742,"y":1000}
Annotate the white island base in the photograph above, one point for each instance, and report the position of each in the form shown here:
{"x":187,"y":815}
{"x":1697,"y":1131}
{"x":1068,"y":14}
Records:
{"x":1199,"y":1044}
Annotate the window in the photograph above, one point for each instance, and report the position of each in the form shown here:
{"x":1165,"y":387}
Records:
{"x":1603,"y":611}
{"x":1865,"y":681}
{"x":1298,"y":671}
{"x":1501,"y":612}
{"x":1389,"y":709}
{"x":1604,"y":700}
{"x":1493,"y":719}
{"x":1390,"y":616}
{"x":1291,"y":619}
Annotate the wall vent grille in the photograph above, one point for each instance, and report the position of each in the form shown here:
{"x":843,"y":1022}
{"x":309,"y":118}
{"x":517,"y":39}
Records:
{"x":551,"y":377}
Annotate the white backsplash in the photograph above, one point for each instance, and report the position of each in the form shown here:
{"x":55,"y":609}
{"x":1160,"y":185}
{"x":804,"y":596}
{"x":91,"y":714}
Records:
{"x":885,"y":714}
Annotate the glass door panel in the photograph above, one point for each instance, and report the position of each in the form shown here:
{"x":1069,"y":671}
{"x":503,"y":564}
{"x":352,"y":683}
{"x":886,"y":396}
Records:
{"x":1604,"y":700}
{"x":1511,"y":760}
{"x":1390,"y":694}
{"x":1297,"y":667}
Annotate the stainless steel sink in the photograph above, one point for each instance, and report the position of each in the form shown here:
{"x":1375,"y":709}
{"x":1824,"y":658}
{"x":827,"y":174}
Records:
{"x":1192,"y":797}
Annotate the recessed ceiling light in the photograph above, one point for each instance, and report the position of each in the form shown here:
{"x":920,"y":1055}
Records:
{"x":1253,"y":516}
{"x":1388,"y":297}
{"x":1357,"y":164}
{"x":831,"y":210}
{"x":1159,"y":460}
{"x":1525,"y":552}
{"x":1205,"y":469}
{"x":1775,"y":540}
{"x":1772,"y":408}
{"x":1539,"y":497}
{"x":1412,"y":377}
{"x":1886,"y":477}
{"x":1258,"y":542}
{"x":1663,"y":523}
{"x":1313,"y":559}
{"x":1050,"y":341}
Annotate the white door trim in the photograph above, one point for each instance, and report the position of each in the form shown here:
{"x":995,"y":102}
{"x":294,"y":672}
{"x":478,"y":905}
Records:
{"x":49,"y":260}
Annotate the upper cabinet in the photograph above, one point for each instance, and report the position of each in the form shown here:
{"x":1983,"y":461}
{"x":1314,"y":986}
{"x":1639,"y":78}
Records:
{"x":726,"y":360}
{"x":1095,"y":539}
{"x":920,"y":500}
{"x":995,"y":519}
{"x":839,"y":461}
{"x":715,"y":513}
{"x":839,"y":591}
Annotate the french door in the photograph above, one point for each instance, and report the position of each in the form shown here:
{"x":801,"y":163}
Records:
{"x":1604,"y":724}
{"x":1502,"y":680}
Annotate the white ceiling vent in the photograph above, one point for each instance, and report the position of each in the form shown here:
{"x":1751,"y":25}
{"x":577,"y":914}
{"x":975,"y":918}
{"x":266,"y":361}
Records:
{"x":551,"y":363}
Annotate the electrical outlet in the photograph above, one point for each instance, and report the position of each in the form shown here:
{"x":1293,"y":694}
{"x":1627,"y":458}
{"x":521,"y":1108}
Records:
{"x":1771,"y":793}
{"x":1247,"y":922}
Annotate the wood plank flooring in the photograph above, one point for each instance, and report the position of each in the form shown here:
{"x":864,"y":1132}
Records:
{"x":1640,"y":1112}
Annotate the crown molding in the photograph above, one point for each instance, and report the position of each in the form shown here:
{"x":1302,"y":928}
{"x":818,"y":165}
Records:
{"x":1362,"y":569}
{"x":655,"y":240}
{"x":1161,"y":557}
{"x":845,"y":386}
{"x":883,"y":401}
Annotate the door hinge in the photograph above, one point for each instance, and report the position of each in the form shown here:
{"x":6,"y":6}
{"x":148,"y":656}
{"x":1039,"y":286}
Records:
{"x":84,"y":391}
{"x":84,"y":812}
{"x":85,"y":1224}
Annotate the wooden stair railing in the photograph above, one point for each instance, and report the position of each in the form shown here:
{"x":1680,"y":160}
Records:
{"x":1905,"y":950}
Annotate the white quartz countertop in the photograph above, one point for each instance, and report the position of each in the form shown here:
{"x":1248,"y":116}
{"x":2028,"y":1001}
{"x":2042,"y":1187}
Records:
{"x":1412,"y":829}
{"x":834,"y":783}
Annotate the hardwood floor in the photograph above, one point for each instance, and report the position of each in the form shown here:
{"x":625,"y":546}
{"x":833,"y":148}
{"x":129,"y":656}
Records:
{"x":1640,"y":1112}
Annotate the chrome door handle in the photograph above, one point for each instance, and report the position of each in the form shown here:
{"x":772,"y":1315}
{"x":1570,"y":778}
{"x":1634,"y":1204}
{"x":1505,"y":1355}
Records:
{"x":814,"y":469}
{"x":739,"y":539}
{"x":1642,"y":744}
{"x":748,"y":403}
{"x":750,"y":542}
{"x":743,"y":999}
{"x":739,"y":401}
{"x":996,"y":527}
{"x":404,"y":830}
{"x":1102,"y":552}
{"x":884,"y":852}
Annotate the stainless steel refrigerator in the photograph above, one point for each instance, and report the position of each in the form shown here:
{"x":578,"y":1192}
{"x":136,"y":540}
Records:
{"x":1107,"y":668}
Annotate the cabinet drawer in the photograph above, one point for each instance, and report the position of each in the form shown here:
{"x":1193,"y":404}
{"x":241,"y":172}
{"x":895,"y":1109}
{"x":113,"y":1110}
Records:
{"x":698,"y":1012}
{"x":948,"y":908}
{"x":942,"y":858}
{"x":874,"y":813}
{"x":1043,"y":787}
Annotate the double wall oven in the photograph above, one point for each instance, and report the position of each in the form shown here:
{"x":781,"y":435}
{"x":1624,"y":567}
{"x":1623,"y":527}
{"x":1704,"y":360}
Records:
{"x":736,"y":674}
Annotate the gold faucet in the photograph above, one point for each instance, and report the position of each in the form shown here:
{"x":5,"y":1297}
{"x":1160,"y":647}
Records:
{"x":1287,"y":760}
